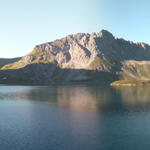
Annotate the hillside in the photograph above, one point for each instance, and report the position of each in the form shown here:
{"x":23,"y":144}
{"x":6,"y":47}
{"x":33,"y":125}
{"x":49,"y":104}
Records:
{"x":134,"y":73}
{"x":5,"y":61}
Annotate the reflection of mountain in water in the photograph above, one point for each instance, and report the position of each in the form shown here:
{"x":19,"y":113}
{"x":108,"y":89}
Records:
{"x":83,"y":98}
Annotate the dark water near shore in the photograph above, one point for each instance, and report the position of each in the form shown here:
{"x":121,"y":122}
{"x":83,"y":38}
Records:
{"x":77,"y":117}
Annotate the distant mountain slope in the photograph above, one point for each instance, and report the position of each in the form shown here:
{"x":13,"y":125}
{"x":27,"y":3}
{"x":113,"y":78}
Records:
{"x":5,"y":61}
{"x":81,"y":57}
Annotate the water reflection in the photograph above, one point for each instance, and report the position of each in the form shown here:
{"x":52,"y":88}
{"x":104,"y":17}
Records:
{"x":82,"y":98}
{"x":85,"y":98}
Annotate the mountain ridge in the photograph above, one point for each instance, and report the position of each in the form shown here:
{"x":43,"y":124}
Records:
{"x":97,"y":53}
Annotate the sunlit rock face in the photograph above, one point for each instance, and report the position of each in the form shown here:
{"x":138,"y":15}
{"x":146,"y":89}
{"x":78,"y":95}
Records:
{"x":79,"y":57}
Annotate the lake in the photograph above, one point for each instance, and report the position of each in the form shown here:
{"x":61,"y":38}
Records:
{"x":75,"y":117}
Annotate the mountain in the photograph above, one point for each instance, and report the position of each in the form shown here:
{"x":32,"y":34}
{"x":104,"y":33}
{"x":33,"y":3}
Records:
{"x":81,"y":57}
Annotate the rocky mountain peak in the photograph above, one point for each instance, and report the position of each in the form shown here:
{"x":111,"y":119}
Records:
{"x":105,"y":34}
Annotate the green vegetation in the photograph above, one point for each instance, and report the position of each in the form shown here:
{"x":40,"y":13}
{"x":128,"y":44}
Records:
{"x":130,"y":82}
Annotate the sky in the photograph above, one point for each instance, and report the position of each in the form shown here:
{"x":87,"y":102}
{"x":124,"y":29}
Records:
{"x":26,"y":23}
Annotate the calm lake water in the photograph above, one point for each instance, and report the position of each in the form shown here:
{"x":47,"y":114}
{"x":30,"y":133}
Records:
{"x":77,"y":117}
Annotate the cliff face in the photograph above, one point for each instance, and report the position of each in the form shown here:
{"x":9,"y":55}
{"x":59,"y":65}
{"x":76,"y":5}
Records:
{"x":78,"y":57}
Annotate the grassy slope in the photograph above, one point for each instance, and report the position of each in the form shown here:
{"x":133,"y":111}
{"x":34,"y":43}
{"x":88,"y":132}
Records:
{"x":130,"y":82}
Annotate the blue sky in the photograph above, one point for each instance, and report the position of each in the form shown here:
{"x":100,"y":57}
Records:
{"x":26,"y":23}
